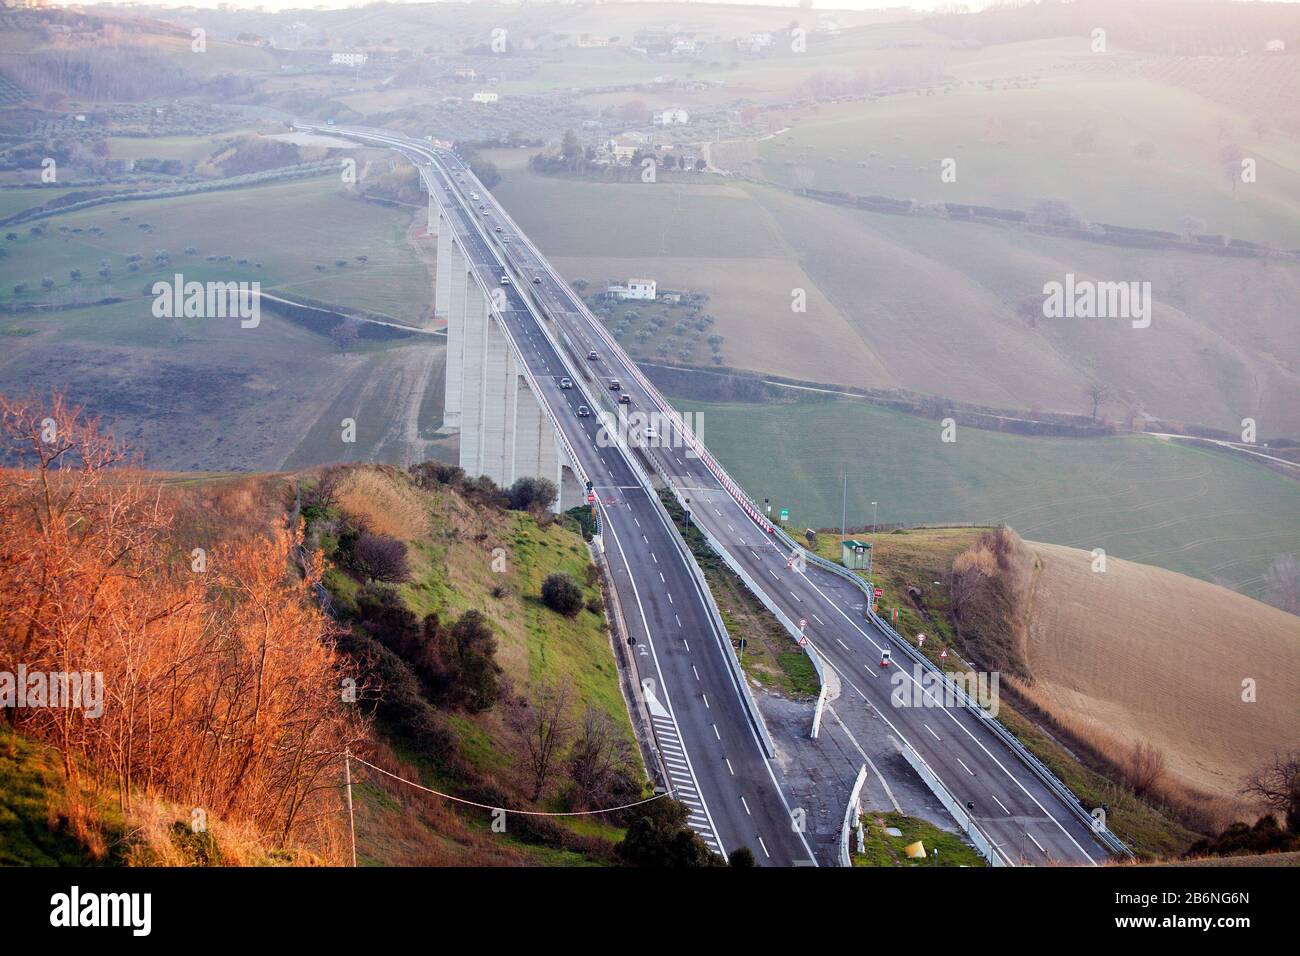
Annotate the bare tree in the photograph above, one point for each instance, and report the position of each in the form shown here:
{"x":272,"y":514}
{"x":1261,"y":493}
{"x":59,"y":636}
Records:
{"x":325,"y":493}
{"x":542,"y":727}
{"x":1282,"y":583}
{"x":599,"y":753}
{"x":1277,"y":786}
{"x":1099,"y":395}
{"x":346,"y":333}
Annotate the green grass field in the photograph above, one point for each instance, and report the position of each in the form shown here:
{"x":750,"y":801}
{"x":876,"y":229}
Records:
{"x":290,"y":228}
{"x":1014,"y":145}
{"x":1188,"y":509}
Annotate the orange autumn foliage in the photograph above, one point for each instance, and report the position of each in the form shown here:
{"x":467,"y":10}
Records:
{"x":222,"y":687}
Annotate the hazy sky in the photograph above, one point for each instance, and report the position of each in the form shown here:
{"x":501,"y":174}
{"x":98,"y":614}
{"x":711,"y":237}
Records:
{"x":276,"y":5}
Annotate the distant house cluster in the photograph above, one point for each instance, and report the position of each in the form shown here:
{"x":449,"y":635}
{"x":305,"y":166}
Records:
{"x":672,"y":117}
{"x":485,"y":96}
{"x":348,"y":59}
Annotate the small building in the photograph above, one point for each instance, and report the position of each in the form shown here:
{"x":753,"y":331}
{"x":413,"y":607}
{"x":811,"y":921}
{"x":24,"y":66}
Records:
{"x":683,"y":46}
{"x":622,"y":149}
{"x":1275,"y":46}
{"x":348,"y":59}
{"x":466,"y":73}
{"x":642,"y":289}
{"x":485,"y":96}
{"x":672,"y":117}
{"x":855,"y":555}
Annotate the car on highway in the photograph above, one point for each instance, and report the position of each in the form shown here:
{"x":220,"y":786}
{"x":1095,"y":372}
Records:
{"x":566,"y":383}
{"x":625,"y":399}
{"x":537,"y":280}
{"x":583,"y":411}
{"x":651,"y":434}
{"x":497,"y":229}
{"x":592,"y":355}
{"x":505,"y":280}
{"x":474,"y":196}
{"x":614,"y":385}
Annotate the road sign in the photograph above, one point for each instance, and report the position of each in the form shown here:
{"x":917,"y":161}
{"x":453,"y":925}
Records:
{"x":591,"y":497}
{"x":785,"y":515}
{"x":879,"y":591}
{"x":802,"y":624}
{"x":943,"y":654}
{"x":920,"y":640}
{"x":803,"y":642}
{"x":893,"y":615}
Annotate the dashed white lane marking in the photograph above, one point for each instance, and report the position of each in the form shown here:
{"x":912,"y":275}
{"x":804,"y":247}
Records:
{"x":932,"y":733}
{"x":695,"y":672}
{"x":688,"y":647}
{"x":670,"y":596}
{"x":706,"y":702}
{"x":764,"y":846}
{"x":729,"y":767}
{"x":966,"y":768}
{"x":1000,"y":803}
{"x":715,"y":732}
{"x":661,"y":578}
{"x":818,"y":620}
{"x":773,"y":573}
{"x":652,"y":554}
{"x":841,"y":644}
{"x":1036,"y":843}
{"x":796,"y":597}
{"x":746,"y":806}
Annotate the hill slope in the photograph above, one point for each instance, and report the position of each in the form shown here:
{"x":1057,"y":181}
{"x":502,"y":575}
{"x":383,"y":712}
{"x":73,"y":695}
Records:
{"x":1140,"y":653}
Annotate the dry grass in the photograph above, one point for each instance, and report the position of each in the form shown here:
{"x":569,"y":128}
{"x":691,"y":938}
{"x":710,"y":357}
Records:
{"x":394,"y":508}
{"x":1141,"y":655}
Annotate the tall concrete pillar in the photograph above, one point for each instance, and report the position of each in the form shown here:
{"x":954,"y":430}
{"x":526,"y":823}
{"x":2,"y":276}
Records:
{"x":443,"y":265}
{"x":451,"y":261}
{"x":474,"y":386}
{"x":497,"y":420}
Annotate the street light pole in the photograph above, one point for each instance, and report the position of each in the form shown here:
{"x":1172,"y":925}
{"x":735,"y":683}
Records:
{"x":844,"y":503}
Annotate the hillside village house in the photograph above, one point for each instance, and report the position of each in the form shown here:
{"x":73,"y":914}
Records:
{"x":348,"y":59}
{"x":622,"y":149}
{"x":467,"y":73}
{"x":1275,"y":46}
{"x":672,"y":117}
{"x":485,"y":96}
{"x":634,"y":289}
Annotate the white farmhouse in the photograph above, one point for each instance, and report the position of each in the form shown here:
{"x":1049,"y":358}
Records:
{"x":348,"y":59}
{"x":633,"y":289}
{"x":672,"y":117}
{"x":485,"y":96}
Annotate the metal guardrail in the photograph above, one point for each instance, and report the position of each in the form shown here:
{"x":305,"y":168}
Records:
{"x":1036,"y":766}
{"x":846,"y":826}
{"x":958,"y":812}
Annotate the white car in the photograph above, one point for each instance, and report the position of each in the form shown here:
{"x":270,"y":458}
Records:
{"x":566,"y":383}
{"x":505,"y":280}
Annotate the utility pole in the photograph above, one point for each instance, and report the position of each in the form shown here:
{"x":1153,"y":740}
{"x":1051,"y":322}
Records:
{"x":352,"y":823}
{"x":844,"y":503}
